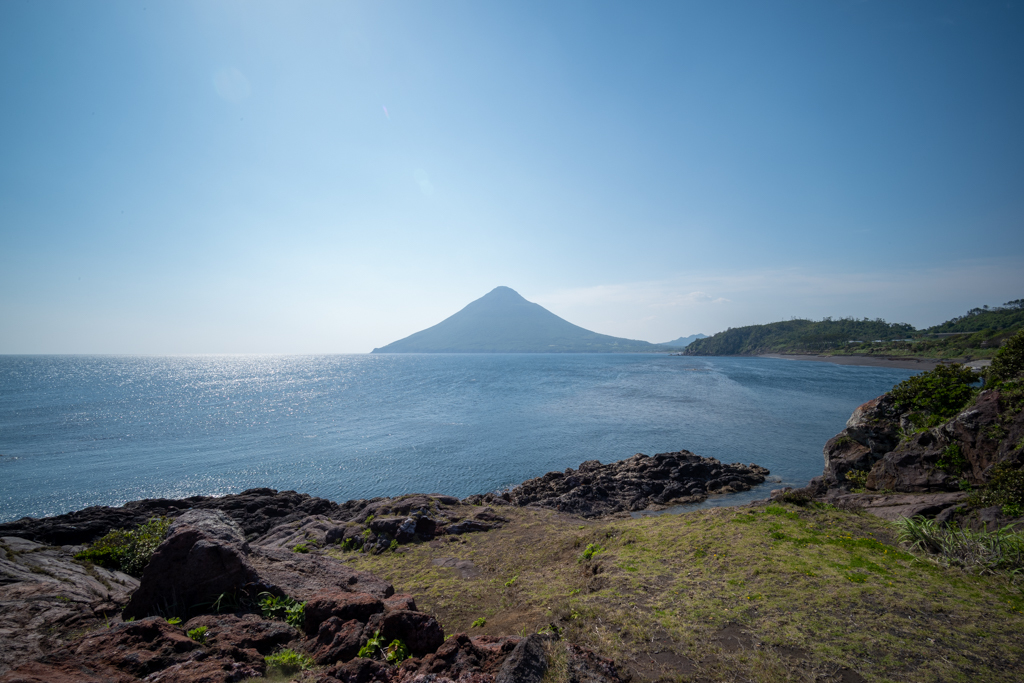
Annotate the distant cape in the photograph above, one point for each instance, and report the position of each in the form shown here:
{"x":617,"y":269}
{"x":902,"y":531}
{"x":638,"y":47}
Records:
{"x":504,"y":322}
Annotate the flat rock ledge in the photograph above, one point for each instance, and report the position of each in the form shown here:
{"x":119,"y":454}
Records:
{"x":638,"y":483}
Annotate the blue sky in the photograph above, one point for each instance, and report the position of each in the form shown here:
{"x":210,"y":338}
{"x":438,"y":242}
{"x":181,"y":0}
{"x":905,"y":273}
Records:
{"x":318,"y":177}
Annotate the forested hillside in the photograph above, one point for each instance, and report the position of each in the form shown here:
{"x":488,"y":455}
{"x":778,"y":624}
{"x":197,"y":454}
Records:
{"x":977,"y":334}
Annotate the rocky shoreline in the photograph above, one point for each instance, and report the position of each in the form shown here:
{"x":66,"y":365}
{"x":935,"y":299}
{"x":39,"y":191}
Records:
{"x":67,"y":620}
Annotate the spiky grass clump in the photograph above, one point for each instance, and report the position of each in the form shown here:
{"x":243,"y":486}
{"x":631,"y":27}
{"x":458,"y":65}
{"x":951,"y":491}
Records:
{"x":985,"y":551}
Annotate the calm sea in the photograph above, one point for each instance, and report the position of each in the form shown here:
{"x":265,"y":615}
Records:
{"x":88,"y":430}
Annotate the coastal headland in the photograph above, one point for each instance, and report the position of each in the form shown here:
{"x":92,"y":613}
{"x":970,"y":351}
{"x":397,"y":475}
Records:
{"x":901,"y":562}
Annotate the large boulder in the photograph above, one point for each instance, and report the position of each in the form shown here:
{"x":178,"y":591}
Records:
{"x":203,"y":557}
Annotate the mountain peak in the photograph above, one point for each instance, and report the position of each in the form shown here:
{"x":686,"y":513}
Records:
{"x":502,"y":321}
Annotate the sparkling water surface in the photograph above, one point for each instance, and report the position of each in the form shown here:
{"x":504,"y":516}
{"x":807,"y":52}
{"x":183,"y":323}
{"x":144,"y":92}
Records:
{"x":102,"y":430}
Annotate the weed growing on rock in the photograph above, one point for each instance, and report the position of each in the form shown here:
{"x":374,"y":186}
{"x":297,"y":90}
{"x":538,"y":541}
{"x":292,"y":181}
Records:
{"x":373,"y":645}
{"x":198,"y":634}
{"x":858,"y":480}
{"x":478,"y":623}
{"x":288,"y":609}
{"x":394,"y":545}
{"x":952,"y":460}
{"x":289,"y":662}
{"x":396,"y":652}
{"x":300,"y":548}
{"x":128,"y":550}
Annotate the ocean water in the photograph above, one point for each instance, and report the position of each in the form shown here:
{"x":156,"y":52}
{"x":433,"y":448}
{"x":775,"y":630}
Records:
{"x":102,"y":430}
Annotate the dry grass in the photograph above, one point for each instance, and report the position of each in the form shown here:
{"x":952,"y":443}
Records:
{"x":748,"y":594}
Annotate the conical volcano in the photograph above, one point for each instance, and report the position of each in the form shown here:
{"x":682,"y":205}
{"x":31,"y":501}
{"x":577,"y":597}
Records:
{"x":504,"y":322}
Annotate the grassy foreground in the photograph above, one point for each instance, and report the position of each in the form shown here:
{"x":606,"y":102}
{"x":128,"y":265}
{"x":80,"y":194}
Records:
{"x":754,"y":593}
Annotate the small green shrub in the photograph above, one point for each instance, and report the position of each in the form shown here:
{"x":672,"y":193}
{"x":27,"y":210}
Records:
{"x":1005,"y":487}
{"x":348,"y":545}
{"x":289,"y":662}
{"x":1008,"y":363}
{"x":128,"y":550}
{"x":941,"y":392}
{"x":174,"y":621}
{"x":953,"y":460}
{"x":393,"y":546}
{"x":857,"y":479}
{"x":284,"y":608}
{"x":478,"y":623}
{"x":511,"y":582}
{"x":198,"y":634}
{"x":591,"y":550}
{"x":300,"y":548}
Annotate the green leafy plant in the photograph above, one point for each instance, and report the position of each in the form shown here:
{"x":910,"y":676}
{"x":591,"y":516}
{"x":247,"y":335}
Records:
{"x":511,"y":582}
{"x":128,"y":550}
{"x":953,"y":460}
{"x":300,"y":548}
{"x":174,"y":621}
{"x":393,"y":545}
{"x":396,"y":652}
{"x":941,"y":392}
{"x":289,"y":662}
{"x":282,"y":607}
{"x":589,"y":552}
{"x":477,"y":623}
{"x":374,"y":645}
{"x":198,"y":634}
{"x":348,"y":544}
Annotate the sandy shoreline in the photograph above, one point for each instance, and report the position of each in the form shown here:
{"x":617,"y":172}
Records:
{"x":867,"y":361}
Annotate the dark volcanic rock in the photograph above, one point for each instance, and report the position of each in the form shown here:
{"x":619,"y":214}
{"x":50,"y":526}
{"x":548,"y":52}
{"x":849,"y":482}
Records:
{"x":908,"y":472}
{"x":636,"y":483}
{"x":526,"y":664}
{"x":204,"y":555}
{"x":256,"y":511}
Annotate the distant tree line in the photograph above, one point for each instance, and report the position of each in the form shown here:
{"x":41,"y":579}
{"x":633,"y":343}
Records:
{"x":978,"y":333}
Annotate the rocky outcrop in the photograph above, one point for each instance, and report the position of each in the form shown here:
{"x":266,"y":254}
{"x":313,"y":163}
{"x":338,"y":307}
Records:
{"x":885,"y":465}
{"x":637,"y":483}
{"x":205,"y":551}
{"x":45,"y":596}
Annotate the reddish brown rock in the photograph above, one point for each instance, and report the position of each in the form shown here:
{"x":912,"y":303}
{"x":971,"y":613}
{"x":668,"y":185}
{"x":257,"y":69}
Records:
{"x":246,"y":631}
{"x":420,"y":632}
{"x":400,"y":601}
{"x":340,"y":604}
{"x":336,"y":641}
{"x":203,"y":556}
{"x":360,"y":670}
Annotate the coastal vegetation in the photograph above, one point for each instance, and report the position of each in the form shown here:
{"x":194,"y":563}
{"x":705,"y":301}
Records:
{"x":127,"y":550}
{"x":768,"y":592}
{"x":977,"y":334}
